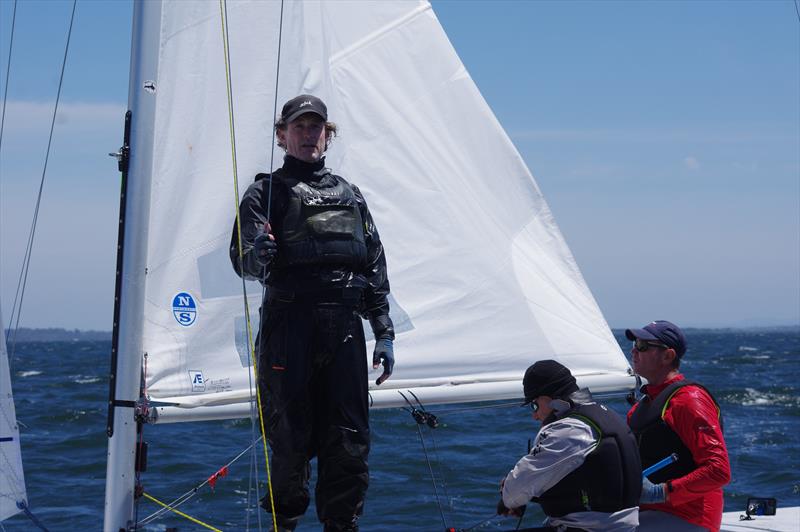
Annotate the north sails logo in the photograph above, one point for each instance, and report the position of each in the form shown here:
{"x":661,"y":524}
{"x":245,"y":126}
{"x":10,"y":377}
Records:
{"x":307,"y":102}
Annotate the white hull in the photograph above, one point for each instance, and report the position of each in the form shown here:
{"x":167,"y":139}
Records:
{"x":785,"y":520}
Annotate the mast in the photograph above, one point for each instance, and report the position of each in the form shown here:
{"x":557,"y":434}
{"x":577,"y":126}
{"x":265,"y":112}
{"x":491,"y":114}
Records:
{"x":120,"y":475}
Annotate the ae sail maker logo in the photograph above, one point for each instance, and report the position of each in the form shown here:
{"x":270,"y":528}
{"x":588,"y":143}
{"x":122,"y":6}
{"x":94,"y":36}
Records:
{"x":198,"y":381}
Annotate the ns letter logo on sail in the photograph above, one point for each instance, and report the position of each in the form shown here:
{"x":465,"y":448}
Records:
{"x":184,"y":309}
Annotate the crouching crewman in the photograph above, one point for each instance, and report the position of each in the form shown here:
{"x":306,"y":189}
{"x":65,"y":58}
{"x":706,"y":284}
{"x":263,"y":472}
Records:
{"x":584,"y":468}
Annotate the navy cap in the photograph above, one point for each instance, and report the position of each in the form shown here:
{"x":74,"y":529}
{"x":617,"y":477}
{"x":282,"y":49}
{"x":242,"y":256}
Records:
{"x":300,"y":105}
{"x":662,"y":331}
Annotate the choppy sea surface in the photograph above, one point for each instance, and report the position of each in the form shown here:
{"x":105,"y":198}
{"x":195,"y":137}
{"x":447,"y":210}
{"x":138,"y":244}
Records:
{"x":61,"y":389}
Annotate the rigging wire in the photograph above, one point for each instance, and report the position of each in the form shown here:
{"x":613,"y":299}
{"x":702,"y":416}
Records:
{"x":422,"y":417}
{"x":433,"y":477}
{"x":248,"y":324}
{"x":223,"y":6}
{"x":797,"y":10}
{"x":26,"y":261}
{"x":249,"y":327}
{"x":2,"y":127}
{"x":189,"y":517}
{"x":8,"y":72}
{"x":181,"y":499}
{"x":275,"y":113}
{"x":432,"y":423}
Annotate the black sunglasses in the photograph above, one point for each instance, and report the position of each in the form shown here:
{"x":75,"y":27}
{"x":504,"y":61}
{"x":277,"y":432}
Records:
{"x":644,"y":345}
{"x":534,"y":405}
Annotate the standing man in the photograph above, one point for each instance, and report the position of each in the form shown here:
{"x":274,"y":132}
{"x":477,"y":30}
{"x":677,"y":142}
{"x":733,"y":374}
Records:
{"x":320,"y":257}
{"x":584,"y":467}
{"x":676,"y":416}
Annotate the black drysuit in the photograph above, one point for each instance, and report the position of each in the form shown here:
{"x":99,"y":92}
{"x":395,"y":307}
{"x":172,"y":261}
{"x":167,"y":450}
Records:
{"x":329,"y":271}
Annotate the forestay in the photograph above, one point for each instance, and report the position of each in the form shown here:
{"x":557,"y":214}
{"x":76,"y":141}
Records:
{"x":12,"y":481}
{"x":483,"y":283}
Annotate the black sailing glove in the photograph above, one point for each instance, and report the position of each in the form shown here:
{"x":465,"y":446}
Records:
{"x":265,"y":248}
{"x":384,"y":349}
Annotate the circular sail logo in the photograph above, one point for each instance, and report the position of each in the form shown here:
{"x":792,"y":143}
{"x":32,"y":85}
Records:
{"x":184,"y":309}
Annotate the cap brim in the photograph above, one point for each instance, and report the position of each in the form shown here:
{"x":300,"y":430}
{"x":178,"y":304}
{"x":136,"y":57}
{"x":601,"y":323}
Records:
{"x":302,"y":112}
{"x":642,"y":334}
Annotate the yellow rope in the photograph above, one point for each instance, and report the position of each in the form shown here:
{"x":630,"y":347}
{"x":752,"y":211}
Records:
{"x":170,"y":508}
{"x":223,"y":19}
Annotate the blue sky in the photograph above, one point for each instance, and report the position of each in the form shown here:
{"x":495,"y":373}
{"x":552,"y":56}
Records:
{"x":664,"y":135}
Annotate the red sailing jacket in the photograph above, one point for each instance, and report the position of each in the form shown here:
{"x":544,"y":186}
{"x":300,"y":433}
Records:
{"x":697,"y":496}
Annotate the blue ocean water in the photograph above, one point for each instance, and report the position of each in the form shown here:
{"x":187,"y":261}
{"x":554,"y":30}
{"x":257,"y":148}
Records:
{"x":61,"y":389}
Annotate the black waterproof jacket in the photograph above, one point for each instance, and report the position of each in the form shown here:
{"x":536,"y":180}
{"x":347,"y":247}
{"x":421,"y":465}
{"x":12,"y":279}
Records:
{"x":369,"y":275}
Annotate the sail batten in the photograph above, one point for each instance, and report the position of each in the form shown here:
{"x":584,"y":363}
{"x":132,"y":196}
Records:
{"x":483,"y":283}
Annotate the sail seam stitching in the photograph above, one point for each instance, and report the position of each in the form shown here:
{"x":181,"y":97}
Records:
{"x":375,"y":35}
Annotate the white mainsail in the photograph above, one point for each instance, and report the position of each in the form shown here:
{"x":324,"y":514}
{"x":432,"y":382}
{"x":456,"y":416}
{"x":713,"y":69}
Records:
{"x":12,"y":479}
{"x":483,"y":283}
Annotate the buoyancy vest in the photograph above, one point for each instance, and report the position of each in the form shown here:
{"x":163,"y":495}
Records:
{"x":610,"y":478}
{"x":321,"y":226}
{"x":657,"y":440}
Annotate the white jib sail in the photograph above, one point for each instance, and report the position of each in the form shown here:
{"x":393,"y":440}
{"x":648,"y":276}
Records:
{"x":12,"y":480}
{"x":482,"y":281}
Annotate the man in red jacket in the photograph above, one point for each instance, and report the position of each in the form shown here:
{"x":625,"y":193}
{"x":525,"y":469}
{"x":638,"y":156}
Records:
{"x":682,"y":417}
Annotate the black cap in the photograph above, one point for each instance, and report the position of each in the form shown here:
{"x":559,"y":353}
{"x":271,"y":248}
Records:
{"x":300,"y":105}
{"x":662,"y":331}
{"x":548,"y":377}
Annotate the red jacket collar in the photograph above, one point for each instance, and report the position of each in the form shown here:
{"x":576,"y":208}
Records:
{"x":652,"y":391}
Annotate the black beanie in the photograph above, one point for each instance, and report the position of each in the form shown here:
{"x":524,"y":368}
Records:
{"x":548,"y":377}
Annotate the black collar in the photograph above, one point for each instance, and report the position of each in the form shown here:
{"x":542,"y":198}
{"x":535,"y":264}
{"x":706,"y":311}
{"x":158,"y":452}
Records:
{"x":303,"y":170}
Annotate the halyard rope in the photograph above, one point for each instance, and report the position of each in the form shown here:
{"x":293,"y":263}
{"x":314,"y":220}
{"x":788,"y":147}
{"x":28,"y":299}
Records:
{"x":251,"y":345}
{"x":189,"y":517}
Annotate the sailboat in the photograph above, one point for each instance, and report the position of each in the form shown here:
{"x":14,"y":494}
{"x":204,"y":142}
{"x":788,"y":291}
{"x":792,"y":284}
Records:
{"x":483,"y":283}
{"x":13,"y":497}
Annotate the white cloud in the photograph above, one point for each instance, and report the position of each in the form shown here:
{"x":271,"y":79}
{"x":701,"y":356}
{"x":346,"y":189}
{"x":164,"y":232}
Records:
{"x":657,"y":135}
{"x":29,"y":117}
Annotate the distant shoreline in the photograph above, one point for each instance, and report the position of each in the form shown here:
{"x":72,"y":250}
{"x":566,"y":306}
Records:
{"x":53,"y":334}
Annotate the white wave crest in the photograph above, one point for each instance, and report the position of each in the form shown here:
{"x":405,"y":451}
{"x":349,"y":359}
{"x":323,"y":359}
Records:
{"x":754,"y":397}
{"x":28,"y":373}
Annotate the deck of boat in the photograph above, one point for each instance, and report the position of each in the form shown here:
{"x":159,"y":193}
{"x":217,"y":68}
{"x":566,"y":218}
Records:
{"x":784,"y":520}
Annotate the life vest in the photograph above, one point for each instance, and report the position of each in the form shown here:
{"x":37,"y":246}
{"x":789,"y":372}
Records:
{"x":657,"y":440}
{"x":610,"y":478}
{"x":321,"y":226}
